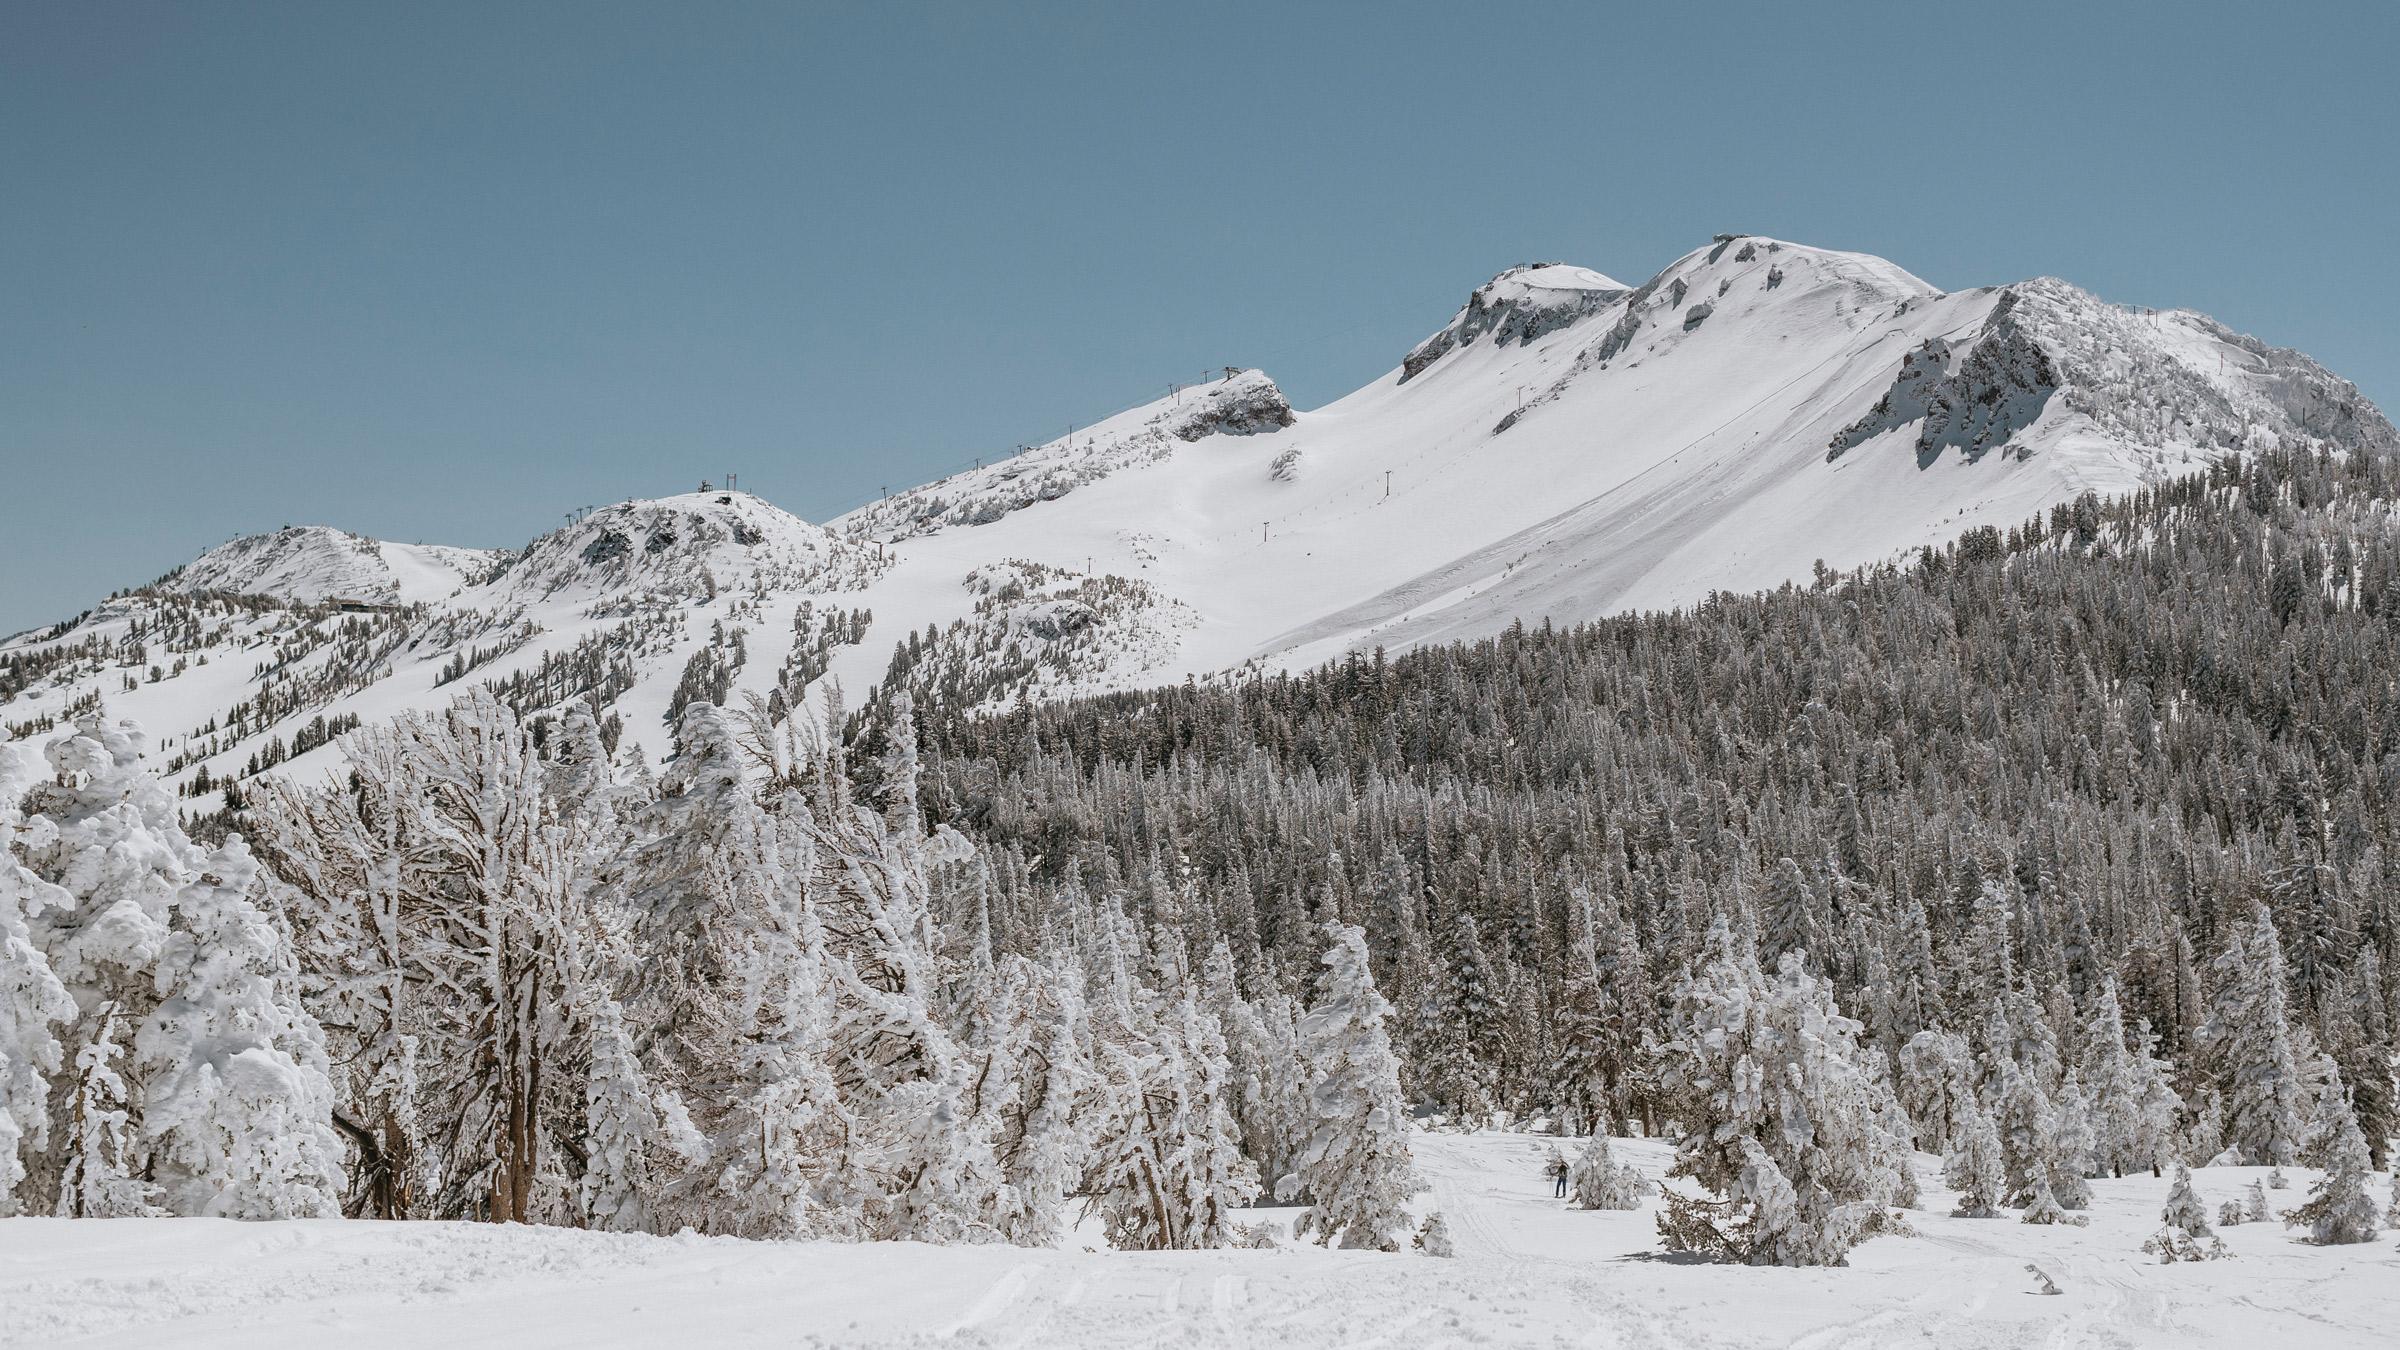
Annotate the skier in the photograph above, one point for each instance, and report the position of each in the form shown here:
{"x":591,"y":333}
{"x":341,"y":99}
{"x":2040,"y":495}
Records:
{"x":1557,"y":1170}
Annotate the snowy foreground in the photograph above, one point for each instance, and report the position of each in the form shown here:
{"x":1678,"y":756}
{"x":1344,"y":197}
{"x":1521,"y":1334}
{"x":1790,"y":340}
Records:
{"x":1529,"y":1272}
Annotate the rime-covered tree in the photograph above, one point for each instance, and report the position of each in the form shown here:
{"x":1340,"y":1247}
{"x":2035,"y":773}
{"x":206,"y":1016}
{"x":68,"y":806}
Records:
{"x":236,"y":1102}
{"x":2249,"y":1041}
{"x":1354,"y":1166}
{"x":197,"y":1083}
{"x":1972,"y":1165}
{"x":1782,"y":1125}
{"x":32,"y":1000}
{"x":2339,"y":1210}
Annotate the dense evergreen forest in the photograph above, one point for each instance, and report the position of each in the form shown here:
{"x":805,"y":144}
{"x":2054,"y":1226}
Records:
{"x":2061,"y":853}
{"x":2053,"y":771}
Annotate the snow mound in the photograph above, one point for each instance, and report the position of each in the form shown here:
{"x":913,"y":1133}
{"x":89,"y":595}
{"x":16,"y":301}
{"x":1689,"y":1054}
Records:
{"x":317,"y":564}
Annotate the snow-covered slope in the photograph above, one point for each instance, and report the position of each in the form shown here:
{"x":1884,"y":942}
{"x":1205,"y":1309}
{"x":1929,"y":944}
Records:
{"x":1564,"y":447}
{"x":1529,"y":1272}
{"x":312,"y":564}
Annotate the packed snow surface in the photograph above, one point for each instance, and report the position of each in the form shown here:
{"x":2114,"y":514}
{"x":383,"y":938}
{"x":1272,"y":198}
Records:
{"x":1529,"y":1272}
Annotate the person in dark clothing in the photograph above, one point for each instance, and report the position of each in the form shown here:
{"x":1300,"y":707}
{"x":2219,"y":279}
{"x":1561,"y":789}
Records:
{"x":1558,"y":1176}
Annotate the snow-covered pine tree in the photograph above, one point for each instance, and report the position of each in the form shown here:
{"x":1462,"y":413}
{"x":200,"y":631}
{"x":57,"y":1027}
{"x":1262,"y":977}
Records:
{"x":2248,"y":1040}
{"x":2327,"y":1100}
{"x":1972,"y":1167}
{"x":2027,"y":1120}
{"x":1937,"y":1087}
{"x":1044,"y":1140}
{"x":1767,"y":1076}
{"x":1270,"y":1081}
{"x":1455,"y":1015}
{"x":2132,"y":1105}
{"x":2339,"y":1211}
{"x":2071,"y":1136}
{"x":2041,"y":1207}
{"x":908,"y":1085}
{"x":1354,"y":1166}
{"x":624,"y":1131}
{"x":221,"y":1107}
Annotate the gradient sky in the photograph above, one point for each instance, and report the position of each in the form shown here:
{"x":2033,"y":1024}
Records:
{"x":442,"y":272}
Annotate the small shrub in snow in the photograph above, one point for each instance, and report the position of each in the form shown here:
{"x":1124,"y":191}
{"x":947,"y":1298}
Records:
{"x":2171,"y":1245}
{"x":2184,"y":1209}
{"x":2044,"y":1208}
{"x":1597,"y":1182}
{"x":1433,"y":1238}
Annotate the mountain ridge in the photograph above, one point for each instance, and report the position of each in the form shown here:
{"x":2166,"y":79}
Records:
{"x":1564,"y":447}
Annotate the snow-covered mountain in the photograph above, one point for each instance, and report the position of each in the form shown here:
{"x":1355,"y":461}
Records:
{"x":314,"y":564}
{"x":1563,"y":448}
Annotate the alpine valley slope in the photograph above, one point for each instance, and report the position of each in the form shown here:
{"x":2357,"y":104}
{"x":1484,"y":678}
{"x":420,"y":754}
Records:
{"x":1564,"y":448}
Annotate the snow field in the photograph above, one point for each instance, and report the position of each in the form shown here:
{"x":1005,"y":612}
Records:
{"x":1530,"y":1272}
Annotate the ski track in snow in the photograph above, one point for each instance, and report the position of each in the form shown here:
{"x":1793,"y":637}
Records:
{"x":1530,"y":1272}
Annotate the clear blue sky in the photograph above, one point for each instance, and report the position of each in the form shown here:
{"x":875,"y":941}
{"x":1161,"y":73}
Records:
{"x":442,"y":272}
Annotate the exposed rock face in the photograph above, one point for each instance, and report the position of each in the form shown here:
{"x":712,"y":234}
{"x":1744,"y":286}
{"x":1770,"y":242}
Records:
{"x":1519,"y":305}
{"x":1973,"y":403}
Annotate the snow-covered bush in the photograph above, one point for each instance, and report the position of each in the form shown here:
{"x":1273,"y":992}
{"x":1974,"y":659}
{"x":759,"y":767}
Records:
{"x":2184,"y":1210}
{"x":1596,"y":1181}
{"x":1433,"y":1238}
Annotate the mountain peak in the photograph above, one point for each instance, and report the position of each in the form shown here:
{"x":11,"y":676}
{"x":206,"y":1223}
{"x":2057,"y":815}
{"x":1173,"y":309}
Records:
{"x":683,"y":546}
{"x":316,"y":564}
